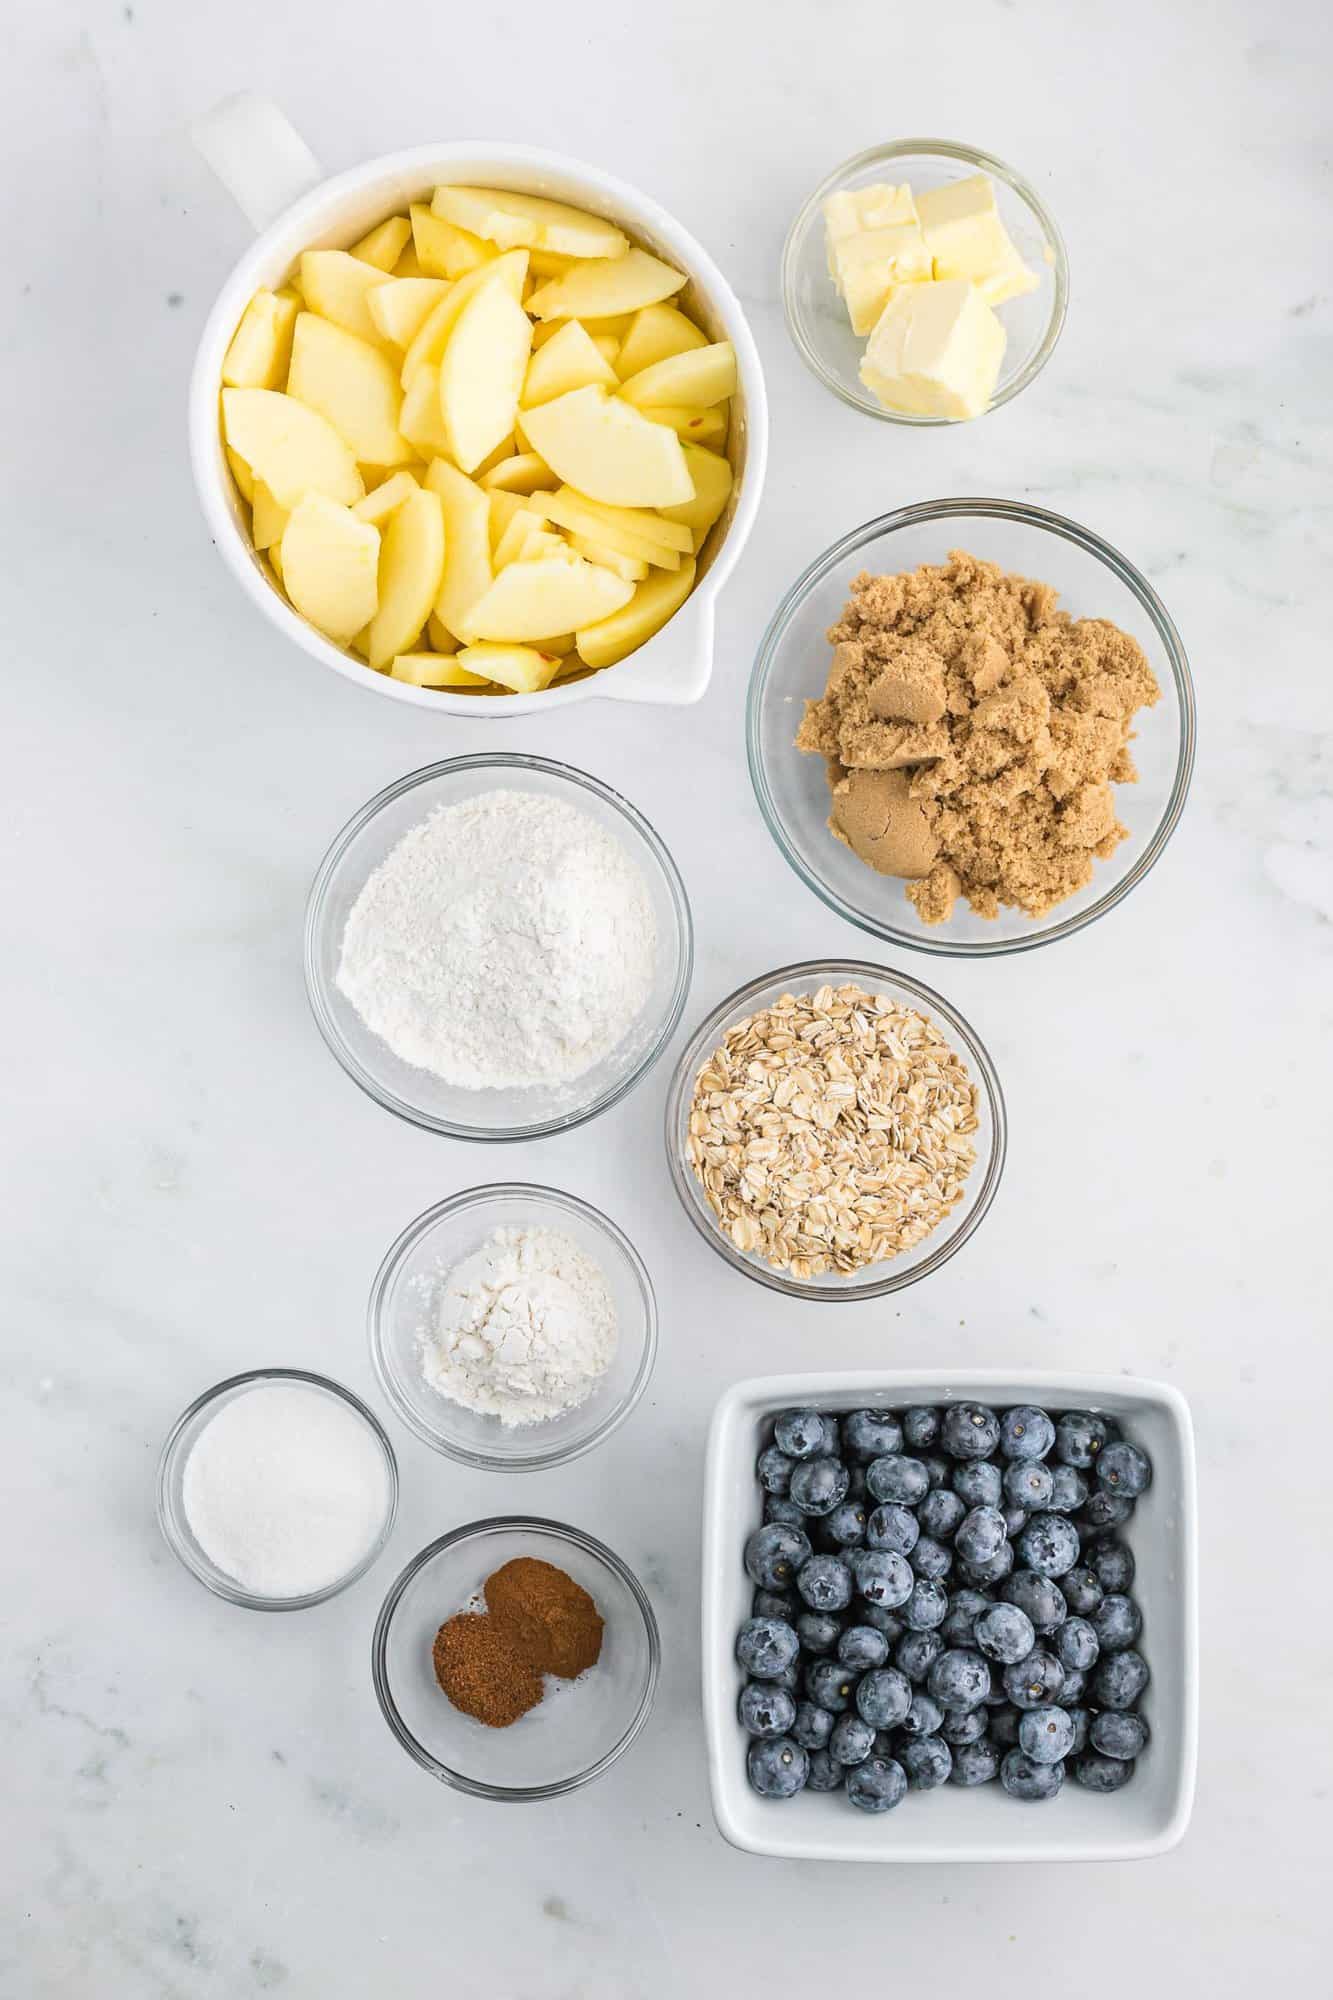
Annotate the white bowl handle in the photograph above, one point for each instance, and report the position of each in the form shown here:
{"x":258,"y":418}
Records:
{"x":260,"y":158}
{"x":674,"y":667}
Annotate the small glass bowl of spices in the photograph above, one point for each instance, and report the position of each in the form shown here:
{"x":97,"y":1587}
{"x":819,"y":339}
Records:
{"x":516,"y":1658}
{"x":277,"y":1489}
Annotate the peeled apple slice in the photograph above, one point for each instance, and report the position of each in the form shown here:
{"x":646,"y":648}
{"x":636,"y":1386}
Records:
{"x":609,"y":640}
{"x":512,"y":220}
{"x":692,"y":426}
{"x":467,"y":544}
{"x":386,"y":498}
{"x":525,"y":472}
{"x":384,"y":244}
{"x":431,"y":339}
{"x":261,"y":346}
{"x":292,"y":448}
{"x":353,"y":385}
{"x":570,"y":360}
{"x":535,"y":600}
{"x":572,"y":511}
{"x":330,"y":563}
{"x":512,"y":536}
{"x":654,"y":334}
{"x":602,"y":446}
{"x":420,"y":420}
{"x":269,"y":521}
{"x":604,"y":288}
{"x":521,"y":668}
{"x":633,"y":568}
{"x":444,"y":251}
{"x":482,"y":372}
{"x":641,"y":522}
{"x":699,"y":376}
{"x":399,"y":307}
{"x":336,"y":285}
{"x":410,"y":571}
{"x":713,"y":478}
{"x":433,"y":670}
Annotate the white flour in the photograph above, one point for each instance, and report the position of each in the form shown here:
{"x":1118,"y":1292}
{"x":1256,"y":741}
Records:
{"x":521,"y":1329}
{"x":507,"y":940}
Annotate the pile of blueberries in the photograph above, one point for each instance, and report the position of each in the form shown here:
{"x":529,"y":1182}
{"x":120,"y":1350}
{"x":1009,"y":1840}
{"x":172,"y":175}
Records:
{"x":941,"y":1595}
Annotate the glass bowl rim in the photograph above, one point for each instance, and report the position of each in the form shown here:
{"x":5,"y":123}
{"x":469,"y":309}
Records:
{"x":500,"y":760}
{"x":390,"y":1266}
{"x":557,"y":1531}
{"x":1024,"y":515}
{"x":183,"y":1545}
{"x":790,"y":978}
{"x":970,"y":156}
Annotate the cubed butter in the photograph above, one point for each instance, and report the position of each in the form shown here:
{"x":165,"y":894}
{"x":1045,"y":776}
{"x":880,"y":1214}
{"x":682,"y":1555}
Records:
{"x":851,"y":210}
{"x":935,"y":351}
{"x":967,"y":239}
{"x":869,"y":266}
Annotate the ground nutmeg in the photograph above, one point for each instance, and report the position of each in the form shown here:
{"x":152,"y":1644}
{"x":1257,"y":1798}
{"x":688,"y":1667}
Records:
{"x":537,"y":1621}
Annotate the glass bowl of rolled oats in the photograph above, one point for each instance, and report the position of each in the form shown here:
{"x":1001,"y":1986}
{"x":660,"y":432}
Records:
{"x":835,"y":1130}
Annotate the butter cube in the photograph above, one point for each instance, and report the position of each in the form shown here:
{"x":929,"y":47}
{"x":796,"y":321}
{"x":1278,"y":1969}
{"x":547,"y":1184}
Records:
{"x":872,"y":265}
{"x":935,"y":351}
{"x":967,"y":239}
{"x":851,"y":210}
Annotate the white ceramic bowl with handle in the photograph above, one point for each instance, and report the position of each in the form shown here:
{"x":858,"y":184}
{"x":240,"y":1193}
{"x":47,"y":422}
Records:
{"x":276,"y":181}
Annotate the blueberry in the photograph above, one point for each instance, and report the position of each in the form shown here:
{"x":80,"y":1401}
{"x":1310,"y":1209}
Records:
{"x":883,"y":1697}
{"x":832,"y":1436}
{"x":1079,"y":1436}
{"x":862,"y":1647}
{"x":993,"y":1571}
{"x":800,"y":1433}
{"x":964,"y":1725}
{"x":923,"y":1718}
{"x":817,"y":1632}
{"x":927,"y":1761}
{"x":818,"y":1485}
{"x":868,"y":1434}
{"x":980,"y":1535}
{"x":930,"y":1558}
{"x":887,"y":1622}
{"x":1015,"y":1519}
{"x":1119,"y":1679}
{"x":979,"y":1483}
{"x":845,"y":1527}
{"x":1069,"y":1489}
{"x":765,"y":1647}
{"x":1118,"y":1735}
{"x":1004,"y":1633}
{"x":1081,"y":1718}
{"x":789,"y":1678}
{"x":1028,"y":1484}
{"x":974,"y":1764}
{"x":1035,"y":1682}
{"x":921,"y":1426}
{"x":1041,"y":1598}
{"x":970,"y":1430}
{"x":852,"y":1740}
{"x":939,"y":1514}
{"x":1102,"y":1774}
{"x":766,"y":1710}
{"x":1002,"y":1724}
{"x":893,"y":1477}
{"x":774,"y":1553}
{"x":1045,"y":1735}
{"x":1112,"y":1563}
{"x":916,"y":1653}
{"x":1049,"y":1545}
{"x":812,"y":1726}
{"x":777,"y":1767}
{"x":1076,"y":1645}
{"x":878,"y":1785}
{"x":774,"y":1604}
{"x":927,"y":1606}
{"x":1076,"y":1681}
{"x":965,"y":1607}
{"x":825,"y":1772}
{"x":774,"y":1469}
{"x":1124,"y":1470}
{"x":1023,"y":1779}
{"x":1081,"y":1590}
{"x":939,"y":1469}
{"x":883,"y":1577}
{"x":960,"y":1678}
{"x":1117,"y":1621}
{"x":825,"y":1582}
{"x":830,"y":1685}
{"x":1026,"y":1433}
{"x":892,"y":1527}
{"x":1105,"y":1510}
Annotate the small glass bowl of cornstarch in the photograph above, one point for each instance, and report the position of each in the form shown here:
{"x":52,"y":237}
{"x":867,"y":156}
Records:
{"x":513,"y":1327}
{"x":497,"y":947}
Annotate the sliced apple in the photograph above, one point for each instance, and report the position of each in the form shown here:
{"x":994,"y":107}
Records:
{"x":261,"y":346}
{"x":433,"y":336}
{"x":352,"y":384}
{"x":603,"y":288}
{"x":570,"y":361}
{"x":533,"y":600}
{"x":655,"y":334}
{"x":384,"y":244}
{"x":467,"y":544}
{"x":541,"y":543}
{"x":633,"y":568}
{"x":399,"y":306}
{"x":607,"y":450}
{"x":420,"y":420}
{"x":241,"y":473}
{"x":441,"y":638}
{"x":713,"y":479}
{"x":705,"y":427}
{"x":522,"y":668}
{"x":269,"y":520}
{"x":513,"y":220}
{"x":611,"y":638}
{"x":481,"y":373}
{"x":699,"y":377}
{"x":330,"y":562}
{"x":502,"y":508}
{"x":409,"y":265}
{"x":433,"y":670}
{"x":512,"y":537}
{"x":505,"y":450}
{"x":641,"y":522}
{"x":410,"y":571}
{"x":442,"y":250}
{"x":386,"y":498}
{"x":335,"y":285}
{"x":572,"y":511}
{"x":525,"y":472}
{"x":291,"y":447}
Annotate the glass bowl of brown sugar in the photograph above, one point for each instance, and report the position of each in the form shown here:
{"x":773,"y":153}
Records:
{"x":543,"y":1722}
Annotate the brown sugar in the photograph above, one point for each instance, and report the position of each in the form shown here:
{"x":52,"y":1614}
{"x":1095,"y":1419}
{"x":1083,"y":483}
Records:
{"x":973,"y":732}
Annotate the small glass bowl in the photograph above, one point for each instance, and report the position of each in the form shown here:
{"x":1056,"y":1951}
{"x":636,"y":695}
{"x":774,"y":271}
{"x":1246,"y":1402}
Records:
{"x":817,"y":319}
{"x":399,"y":1300}
{"x":181,"y":1439}
{"x":579,"y":1729}
{"x":874,"y":1280}
{"x":417,"y":1095}
{"x":1094,"y":581}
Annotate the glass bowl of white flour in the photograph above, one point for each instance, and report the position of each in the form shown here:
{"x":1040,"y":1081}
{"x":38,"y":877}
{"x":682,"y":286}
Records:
{"x":497,"y":947}
{"x":513,"y":1327}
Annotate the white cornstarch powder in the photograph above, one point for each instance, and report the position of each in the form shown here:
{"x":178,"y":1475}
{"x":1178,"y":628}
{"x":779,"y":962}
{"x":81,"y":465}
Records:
{"x":521,"y":1329}
{"x":507,"y":940}
{"x":285,"y":1489}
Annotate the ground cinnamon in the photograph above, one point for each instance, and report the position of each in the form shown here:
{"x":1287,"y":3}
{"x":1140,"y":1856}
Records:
{"x":537,"y":1621}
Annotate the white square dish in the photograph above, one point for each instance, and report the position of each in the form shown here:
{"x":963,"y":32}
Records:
{"x":950,"y":1825}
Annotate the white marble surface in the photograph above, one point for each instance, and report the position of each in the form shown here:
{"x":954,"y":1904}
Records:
{"x":202,"y":1803}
